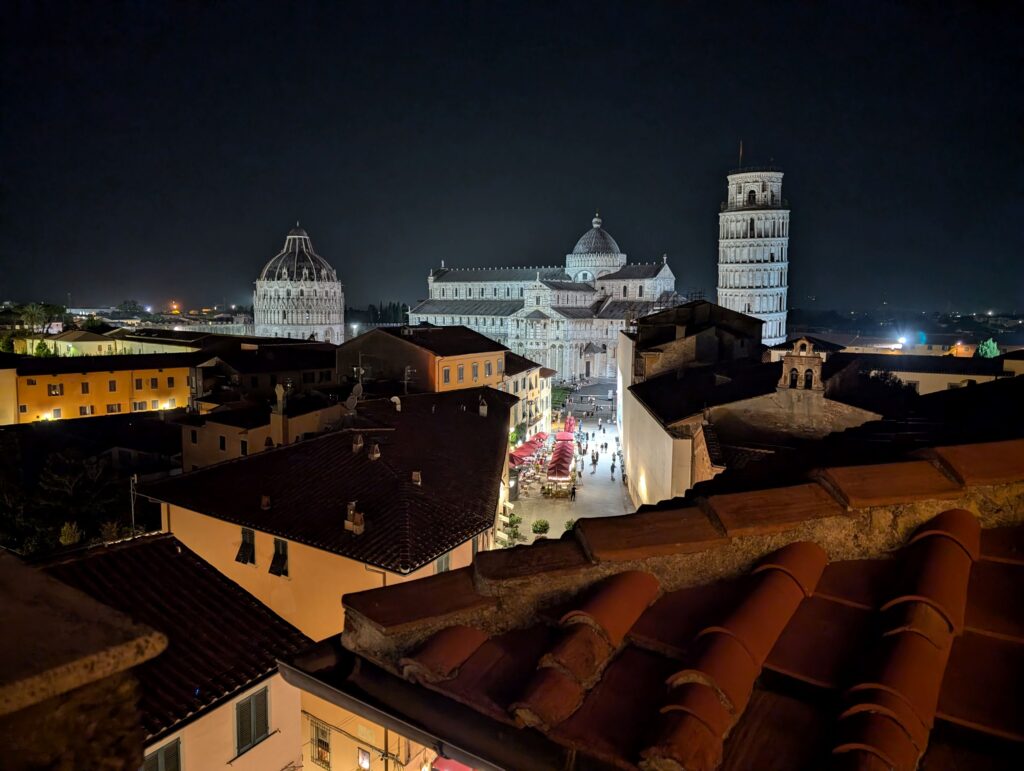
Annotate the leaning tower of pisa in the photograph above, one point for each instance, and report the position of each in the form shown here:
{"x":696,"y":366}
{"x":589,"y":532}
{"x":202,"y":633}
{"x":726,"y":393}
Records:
{"x":753,"y":249}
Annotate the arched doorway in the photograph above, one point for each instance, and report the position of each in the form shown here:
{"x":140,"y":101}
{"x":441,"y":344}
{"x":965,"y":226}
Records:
{"x":793,"y":375}
{"x":808,"y":379}
{"x":751,"y":198}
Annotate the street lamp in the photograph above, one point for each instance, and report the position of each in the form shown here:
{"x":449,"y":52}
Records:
{"x":355,"y":330}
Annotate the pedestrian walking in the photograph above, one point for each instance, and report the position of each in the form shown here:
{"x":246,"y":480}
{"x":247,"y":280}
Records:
{"x":572,"y":494}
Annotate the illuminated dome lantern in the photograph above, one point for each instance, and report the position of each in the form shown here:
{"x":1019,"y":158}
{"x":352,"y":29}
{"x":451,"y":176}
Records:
{"x":298,"y":294}
{"x":596,"y":254}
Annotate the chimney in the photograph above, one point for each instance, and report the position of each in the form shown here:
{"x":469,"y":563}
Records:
{"x":357,"y":442}
{"x":354,"y":522}
{"x":417,"y":478}
{"x":374,"y":451}
{"x":483,"y":407}
{"x":278,"y":420}
{"x":265,"y":502}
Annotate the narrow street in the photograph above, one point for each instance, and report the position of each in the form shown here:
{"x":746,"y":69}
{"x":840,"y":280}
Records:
{"x":600,"y":492}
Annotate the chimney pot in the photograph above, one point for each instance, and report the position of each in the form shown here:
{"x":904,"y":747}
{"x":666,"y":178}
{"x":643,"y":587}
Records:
{"x":264,"y":502}
{"x":357,"y":442}
{"x":417,"y":478}
{"x":374,"y":451}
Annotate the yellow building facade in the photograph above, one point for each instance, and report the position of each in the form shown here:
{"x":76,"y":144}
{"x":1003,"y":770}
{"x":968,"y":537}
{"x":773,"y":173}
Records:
{"x":90,"y":386}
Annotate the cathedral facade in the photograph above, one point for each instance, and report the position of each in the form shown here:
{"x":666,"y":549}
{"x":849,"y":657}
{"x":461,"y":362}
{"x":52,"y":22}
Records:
{"x":298,"y":294}
{"x":566,"y":317}
{"x":753,"y":249}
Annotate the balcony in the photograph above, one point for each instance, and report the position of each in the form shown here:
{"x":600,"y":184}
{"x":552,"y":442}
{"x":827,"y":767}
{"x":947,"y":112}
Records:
{"x":727,"y":206}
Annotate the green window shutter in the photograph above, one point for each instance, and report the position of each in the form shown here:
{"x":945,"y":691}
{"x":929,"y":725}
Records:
{"x":243,"y":715}
{"x":171,"y":756}
{"x":152,"y":762}
{"x":260,"y":722}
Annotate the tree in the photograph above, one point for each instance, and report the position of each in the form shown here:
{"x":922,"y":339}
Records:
{"x":7,"y":343}
{"x":541,"y":527}
{"x":79,"y":488}
{"x":988,"y":349}
{"x":33,"y":316}
{"x":42,"y":349}
{"x":570,"y":524}
{"x":130,"y":306}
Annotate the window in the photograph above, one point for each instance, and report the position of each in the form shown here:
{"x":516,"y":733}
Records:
{"x":914,"y":384}
{"x":443,"y":563}
{"x":166,"y":758}
{"x":536,"y":301}
{"x":193,"y":436}
{"x":251,"y":720}
{"x":172,"y":402}
{"x":170,"y":382}
{"x":112,"y":386}
{"x":247,"y":549}
{"x":624,"y":290}
{"x":113,"y":409}
{"x":155,"y":404}
{"x":320,"y":740}
{"x":462,"y":372}
{"x":56,"y":413}
{"x":154,"y":382}
{"x":243,"y":447}
{"x":222,"y":442}
{"x":90,"y":410}
{"x":501,"y":366}
{"x":30,"y":381}
{"x":279,"y":564}
{"x":139,"y":406}
{"x":488,"y":369}
{"x":55,"y":389}
{"x":138,"y":384}
{"x":446,"y":375}
{"x":476,"y":371}
{"x":363,"y":759}
{"x":22,"y":408}
{"x":85,"y":389}
{"x":640,"y":291}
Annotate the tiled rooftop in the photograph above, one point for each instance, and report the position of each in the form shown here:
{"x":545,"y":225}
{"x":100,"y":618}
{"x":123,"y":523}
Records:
{"x":408,"y":524}
{"x":221,"y":639}
{"x":444,"y":341}
{"x":772,"y":629}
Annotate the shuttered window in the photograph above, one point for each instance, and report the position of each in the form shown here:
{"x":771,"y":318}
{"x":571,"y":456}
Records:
{"x":247,"y":549}
{"x":251,"y":720}
{"x":279,"y":564}
{"x":166,"y":758}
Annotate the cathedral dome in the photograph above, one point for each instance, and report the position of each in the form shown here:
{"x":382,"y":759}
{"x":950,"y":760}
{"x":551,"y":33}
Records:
{"x":298,"y":261}
{"x":596,"y":241}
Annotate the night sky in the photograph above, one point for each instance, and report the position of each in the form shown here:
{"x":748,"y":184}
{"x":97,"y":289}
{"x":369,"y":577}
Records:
{"x":154,"y":151}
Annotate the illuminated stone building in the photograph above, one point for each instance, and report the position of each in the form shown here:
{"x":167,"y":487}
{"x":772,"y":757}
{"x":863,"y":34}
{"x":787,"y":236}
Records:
{"x":753,"y":249}
{"x":298,"y":294}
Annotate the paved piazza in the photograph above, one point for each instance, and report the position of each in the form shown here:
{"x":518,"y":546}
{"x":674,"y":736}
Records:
{"x":599,"y":495}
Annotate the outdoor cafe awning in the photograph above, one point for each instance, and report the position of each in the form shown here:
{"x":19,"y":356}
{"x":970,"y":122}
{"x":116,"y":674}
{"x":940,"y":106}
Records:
{"x":561,"y":462}
{"x":564,"y":436}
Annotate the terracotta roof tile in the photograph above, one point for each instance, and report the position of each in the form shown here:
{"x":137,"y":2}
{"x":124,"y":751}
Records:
{"x":880,"y":702}
{"x":935,"y":571}
{"x":685,"y":740}
{"x":773,"y":511}
{"x":616,"y":604}
{"x":703,"y":703}
{"x":400,"y":605}
{"x":759,"y":619}
{"x":861,"y":583}
{"x":886,"y":484}
{"x":878,"y":735}
{"x":994,"y":600}
{"x":443,"y":654}
{"x":919,"y":618}
{"x":582,"y":653}
{"x":550,"y":697}
{"x":802,"y":561}
{"x":860,"y":760}
{"x":820,"y":641}
{"x":909,"y":666}
{"x":724,"y":664}
{"x":982,"y":687}
{"x":670,"y":625}
{"x":1003,"y":544}
{"x":648,"y":534}
{"x":958,"y":525}
{"x":985,"y":464}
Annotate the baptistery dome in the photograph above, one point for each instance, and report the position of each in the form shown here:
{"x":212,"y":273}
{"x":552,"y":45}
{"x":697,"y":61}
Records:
{"x":596,"y":240}
{"x":298,"y":294}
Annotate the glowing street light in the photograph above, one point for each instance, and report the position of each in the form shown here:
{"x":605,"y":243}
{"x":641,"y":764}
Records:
{"x":902,"y":341}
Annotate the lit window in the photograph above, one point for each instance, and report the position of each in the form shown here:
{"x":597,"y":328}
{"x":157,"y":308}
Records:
{"x":89,"y":410}
{"x":363,"y":758}
{"x":488,"y":369}
{"x":320,"y":741}
{"x":55,"y":389}
{"x":155,"y":404}
{"x":113,"y":408}
{"x":56,"y":412}
{"x":166,"y":758}
{"x":251,"y":720}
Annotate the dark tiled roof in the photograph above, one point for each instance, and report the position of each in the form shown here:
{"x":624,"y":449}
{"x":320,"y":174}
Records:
{"x":571,"y":312}
{"x":946,"y":365}
{"x":444,"y":341}
{"x":677,"y":395}
{"x":254,"y":414}
{"x":569,"y":286}
{"x":59,"y":365}
{"x":514,"y":363}
{"x":454,"y":275}
{"x":469,"y":307}
{"x":204,"y":340}
{"x":310,"y":483}
{"x":222,"y":640}
{"x":621,"y":309}
{"x":634,"y":271}
{"x":791,"y":661}
{"x":286,"y":358}
{"x":536,"y":315}
{"x":818,"y":343}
